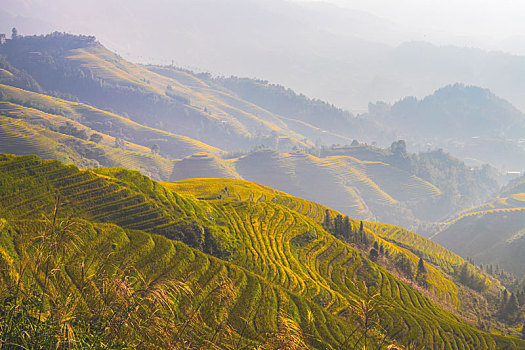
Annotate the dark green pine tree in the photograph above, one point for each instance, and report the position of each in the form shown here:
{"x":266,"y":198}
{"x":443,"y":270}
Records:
{"x":512,"y":307}
{"x":362,"y":236}
{"x":421,"y":275}
{"x":421,"y":266}
{"x":347,"y":228}
{"x":338,"y":225}
{"x":373,"y":254}
{"x":503,"y":304}
{"x":327,"y":223}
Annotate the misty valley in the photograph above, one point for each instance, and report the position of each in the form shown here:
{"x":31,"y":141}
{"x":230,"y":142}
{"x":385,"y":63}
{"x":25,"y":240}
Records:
{"x":151,"y":205}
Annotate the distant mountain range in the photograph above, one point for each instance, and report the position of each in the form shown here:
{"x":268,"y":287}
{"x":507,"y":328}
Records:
{"x":346,"y":57}
{"x":172,"y":124}
{"x":216,"y":258}
{"x":470,"y":122}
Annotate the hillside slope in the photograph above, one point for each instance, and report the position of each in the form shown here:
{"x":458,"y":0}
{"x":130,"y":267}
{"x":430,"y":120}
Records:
{"x":492,"y":233}
{"x":181,"y":103}
{"x":171,"y":145}
{"x":280,"y":261}
{"x":375,"y":182}
{"x":369,"y":187}
{"x":183,"y":115}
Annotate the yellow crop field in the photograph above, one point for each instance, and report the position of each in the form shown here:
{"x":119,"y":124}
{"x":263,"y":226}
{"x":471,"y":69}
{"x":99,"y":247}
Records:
{"x":98,"y":120}
{"x":278,"y":257}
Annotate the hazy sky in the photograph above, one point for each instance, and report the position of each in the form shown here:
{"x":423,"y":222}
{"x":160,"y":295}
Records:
{"x":466,"y":22}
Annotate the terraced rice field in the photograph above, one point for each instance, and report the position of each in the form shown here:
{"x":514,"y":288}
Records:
{"x":400,"y":184}
{"x":395,"y":239}
{"x":282,"y":262}
{"x":92,"y":196}
{"x":358,"y":188}
{"x":511,"y":204}
{"x":43,"y":106}
{"x":203,"y":165}
{"x":157,"y":257}
{"x":23,"y":132}
{"x":18,"y":137}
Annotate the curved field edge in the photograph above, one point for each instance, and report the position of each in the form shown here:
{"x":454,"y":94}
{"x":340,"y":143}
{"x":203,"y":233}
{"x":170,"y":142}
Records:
{"x":285,"y":248}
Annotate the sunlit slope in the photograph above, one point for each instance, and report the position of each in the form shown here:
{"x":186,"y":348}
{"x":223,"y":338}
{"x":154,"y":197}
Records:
{"x":247,"y":221}
{"x":286,"y":249}
{"x":29,"y":131}
{"x":203,"y":165}
{"x":493,"y":233}
{"x":171,"y":145}
{"x":252,"y":309}
{"x":400,"y":242}
{"x":246,"y":191}
{"x":22,"y":138}
{"x":358,"y":188}
{"x":181,"y":103}
{"x":133,"y":201}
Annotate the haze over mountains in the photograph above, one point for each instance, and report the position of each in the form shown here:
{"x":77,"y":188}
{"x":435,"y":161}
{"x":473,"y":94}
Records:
{"x":470,"y":122}
{"x":202,"y":119}
{"x":345,"y":57}
{"x":492,"y":233}
{"x":154,"y":204}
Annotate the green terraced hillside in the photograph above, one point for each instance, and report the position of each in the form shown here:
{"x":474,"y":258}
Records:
{"x":278,"y":262}
{"x":373,"y":189}
{"x":492,"y":233}
{"x":179,"y":103}
{"x":40,"y":108}
{"x":401,"y":243}
{"x":186,"y":114}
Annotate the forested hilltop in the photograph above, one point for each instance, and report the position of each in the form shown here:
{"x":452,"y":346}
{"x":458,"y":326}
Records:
{"x":468,"y":121}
